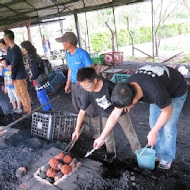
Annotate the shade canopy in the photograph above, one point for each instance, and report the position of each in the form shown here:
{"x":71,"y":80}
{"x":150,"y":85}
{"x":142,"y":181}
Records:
{"x":14,"y":13}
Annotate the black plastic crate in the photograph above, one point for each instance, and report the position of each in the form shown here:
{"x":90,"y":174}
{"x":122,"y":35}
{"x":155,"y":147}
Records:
{"x":53,"y":126}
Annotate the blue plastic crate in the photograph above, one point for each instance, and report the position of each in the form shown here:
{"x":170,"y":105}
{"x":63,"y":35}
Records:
{"x":51,"y":75}
{"x":120,"y":78}
{"x":57,"y":82}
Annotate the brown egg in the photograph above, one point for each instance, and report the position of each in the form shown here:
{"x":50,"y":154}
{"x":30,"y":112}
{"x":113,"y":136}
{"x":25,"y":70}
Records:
{"x":60,"y":156}
{"x":51,"y":173}
{"x":66,"y":169}
{"x":67,"y":159}
{"x":53,"y":162}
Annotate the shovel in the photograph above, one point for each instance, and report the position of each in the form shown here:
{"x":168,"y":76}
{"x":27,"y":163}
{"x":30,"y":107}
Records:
{"x":90,"y":152}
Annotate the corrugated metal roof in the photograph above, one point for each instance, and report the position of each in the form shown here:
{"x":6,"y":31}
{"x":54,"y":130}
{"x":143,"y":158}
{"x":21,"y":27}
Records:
{"x":14,"y":12}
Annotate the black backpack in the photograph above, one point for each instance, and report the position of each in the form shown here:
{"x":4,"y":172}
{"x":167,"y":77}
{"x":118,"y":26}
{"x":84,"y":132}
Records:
{"x":44,"y":66}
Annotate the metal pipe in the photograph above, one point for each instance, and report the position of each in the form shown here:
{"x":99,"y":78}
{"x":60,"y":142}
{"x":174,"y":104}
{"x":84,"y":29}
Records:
{"x":87,"y":33}
{"x":153,"y":32}
{"x":2,"y":128}
{"x":115,"y":27}
{"x":77,"y":28}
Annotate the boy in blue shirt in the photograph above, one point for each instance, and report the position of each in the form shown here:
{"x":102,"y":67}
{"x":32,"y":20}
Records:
{"x":10,"y":90}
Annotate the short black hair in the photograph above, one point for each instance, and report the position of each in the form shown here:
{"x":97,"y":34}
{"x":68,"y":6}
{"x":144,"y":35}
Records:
{"x":86,"y":74}
{"x":9,"y":34}
{"x":29,"y":47}
{"x":123,"y":95}
{"x":2,"y":41}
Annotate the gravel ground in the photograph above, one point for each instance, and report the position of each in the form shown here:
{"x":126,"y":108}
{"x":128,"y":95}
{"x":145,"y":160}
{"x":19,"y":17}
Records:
{"x":22,"y":149}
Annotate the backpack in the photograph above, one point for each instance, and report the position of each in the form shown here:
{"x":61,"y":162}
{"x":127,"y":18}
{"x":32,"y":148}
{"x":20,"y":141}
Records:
{"x":44,"y":66}
{"x":47,"y":66}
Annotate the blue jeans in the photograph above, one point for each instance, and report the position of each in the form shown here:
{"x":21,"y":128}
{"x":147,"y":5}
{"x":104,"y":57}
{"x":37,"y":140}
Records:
{"x":166,"y":138}
{"x":43,"y":98}
{"x":4,"y":103}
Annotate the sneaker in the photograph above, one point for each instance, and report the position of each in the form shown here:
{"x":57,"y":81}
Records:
{"x":157,"y":159}
{"x":164,"y":164}
{"x":110,"y":157}
{"x":19,"y":110}
{"x":14,"y":110}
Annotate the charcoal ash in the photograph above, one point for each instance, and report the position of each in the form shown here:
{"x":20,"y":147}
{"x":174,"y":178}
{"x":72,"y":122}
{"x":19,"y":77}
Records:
{"x":23,"y":149}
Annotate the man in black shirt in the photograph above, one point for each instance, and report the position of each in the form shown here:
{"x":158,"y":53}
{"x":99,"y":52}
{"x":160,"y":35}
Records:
{"x":98,"y":93}
{"x":15,"y":63}
{"x":165,"y":89}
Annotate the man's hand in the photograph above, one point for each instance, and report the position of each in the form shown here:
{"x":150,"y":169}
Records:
{"x":75,"y":135}
{"x":98,"y":143}
{"x":67,"y":89}
{"x":125,"y":109}
{"x":30,"y":76}
{"x":152,"y":138}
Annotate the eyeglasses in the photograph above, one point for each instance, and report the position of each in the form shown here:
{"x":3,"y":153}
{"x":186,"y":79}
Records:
{"x":87,"y":87}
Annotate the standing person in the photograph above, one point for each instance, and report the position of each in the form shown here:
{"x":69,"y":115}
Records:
{"x":34,"y":61}
{"x":77,"y":58}
{"x":165,"y":89}
{"x":15,"y":63}
{"x":99,"y":94}
{"x":3,"y":48}
{"x":10,"y":89}
{"x":46,"y":46}
{"x":5,"y":104}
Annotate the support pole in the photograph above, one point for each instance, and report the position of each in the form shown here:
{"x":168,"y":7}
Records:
{"x":153,"y":28}
{"x":113,"y":9}
{"x":22,"y":33}
{"x":40,"y":30}
{"x":87,"y":33}
{"x":28,"y":29}
{"x":77,"y":28}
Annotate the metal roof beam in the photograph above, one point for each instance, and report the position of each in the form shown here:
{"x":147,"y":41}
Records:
{"x":12,"y":2}
{"x":36,"y":19}
{"x":47,"y":7}
{"x":93,"y":8}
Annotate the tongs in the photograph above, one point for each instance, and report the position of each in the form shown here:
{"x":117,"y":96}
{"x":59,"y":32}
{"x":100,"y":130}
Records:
{"x":72,"y":143}
{"x":90,"y":152}
{"x":69,"y":146}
